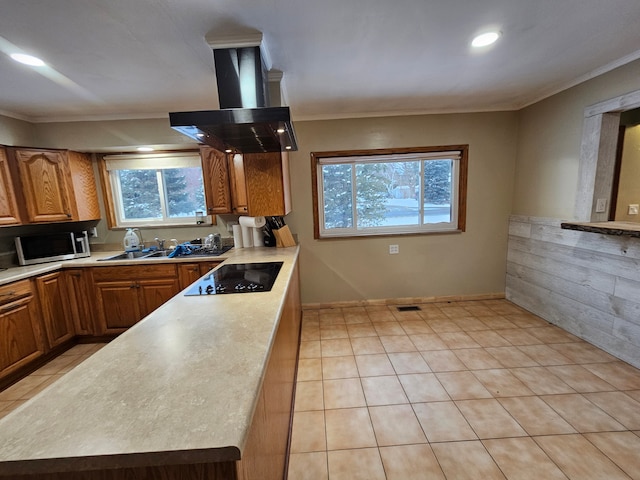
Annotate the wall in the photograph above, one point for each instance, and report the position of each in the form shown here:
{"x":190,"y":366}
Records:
{"x":469,"y":263}
{"x":584,"y":282}
{"x":15,"y":132}
{"x":629,"y":184}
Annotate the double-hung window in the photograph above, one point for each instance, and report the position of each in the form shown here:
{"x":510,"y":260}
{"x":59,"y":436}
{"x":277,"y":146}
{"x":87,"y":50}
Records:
{"x":155,"y":189}
{"x":390,"y":191}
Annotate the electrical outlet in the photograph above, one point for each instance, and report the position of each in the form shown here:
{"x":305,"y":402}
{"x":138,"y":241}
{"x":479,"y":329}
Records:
{"x":93,"y":233}
{"x":394,"y":249}
{"x":601,"y":205}
{"x":633,"y":209}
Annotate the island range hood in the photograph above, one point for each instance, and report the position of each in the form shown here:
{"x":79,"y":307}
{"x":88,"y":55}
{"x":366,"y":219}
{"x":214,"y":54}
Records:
{"x":245,"y":122}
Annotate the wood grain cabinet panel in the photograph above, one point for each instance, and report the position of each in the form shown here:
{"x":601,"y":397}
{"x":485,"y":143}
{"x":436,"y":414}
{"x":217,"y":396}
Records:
{"x":9,"y":213}
{"x":190,"y":272}
{"x":84,"y":186}
{"x":21,"y":340}
{"x":216,"y":181}
{"x":56,"y":311}
{"x":80,"y":290}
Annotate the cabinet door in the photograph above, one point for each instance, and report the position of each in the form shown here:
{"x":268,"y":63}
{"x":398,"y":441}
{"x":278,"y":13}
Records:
{"x":153,"y":293}
{"x":216,"y":181}
{"x":46,"y":186}
{"x":117,"y":305}
{"x":54,"y":302}
{"x":206,"y":267}
{"x":8,"y":206}
{"x":20,"y":335}
{"x":80,"y":292}
{"x":265,"y":182}
{"x":238,"y":184}
{"x":188,"y":273}
{"x":84,"y":186}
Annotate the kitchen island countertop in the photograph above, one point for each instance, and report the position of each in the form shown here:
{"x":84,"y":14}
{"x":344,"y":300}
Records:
{"x":178,"y":387}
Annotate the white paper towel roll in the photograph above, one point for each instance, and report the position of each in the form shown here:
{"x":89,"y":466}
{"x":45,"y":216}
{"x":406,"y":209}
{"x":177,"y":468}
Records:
{"x":254,"y":222}
{"x":258,"y":237}
{"x":247,"y":236}
{"x":237,"y":236}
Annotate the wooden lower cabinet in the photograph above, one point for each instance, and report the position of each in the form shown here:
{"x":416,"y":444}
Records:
{"x":56,"y":311}
{"x":120,"y":304}
{"x":80,"y":291}
{"x":190,"y":272}
{"x":21,"y":340}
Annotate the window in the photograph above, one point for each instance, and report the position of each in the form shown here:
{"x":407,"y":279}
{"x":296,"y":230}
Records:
{"x":154,"y":189}
{"x":389,"y":192}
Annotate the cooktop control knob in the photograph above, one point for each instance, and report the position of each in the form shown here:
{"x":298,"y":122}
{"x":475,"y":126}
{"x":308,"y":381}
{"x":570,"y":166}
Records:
{"x":209,"y":289}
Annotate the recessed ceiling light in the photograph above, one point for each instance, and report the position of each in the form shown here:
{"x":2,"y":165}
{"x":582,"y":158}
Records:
{"x":288,"y":147}
{"x":145,"y":149}
{"x":228,"y":150}
{"x":485,"y":39}
{"x":27,"y":59}
{"x":280,"y":130}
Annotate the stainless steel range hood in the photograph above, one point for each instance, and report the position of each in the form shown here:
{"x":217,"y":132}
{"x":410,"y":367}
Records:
{"x":245,"y":122}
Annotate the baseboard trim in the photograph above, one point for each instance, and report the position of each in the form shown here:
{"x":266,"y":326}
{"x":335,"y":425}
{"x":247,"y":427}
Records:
{"x":404,"y":301}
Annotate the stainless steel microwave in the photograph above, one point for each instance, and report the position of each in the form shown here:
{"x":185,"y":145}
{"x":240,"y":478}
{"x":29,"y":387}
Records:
{"x":52,"y":247}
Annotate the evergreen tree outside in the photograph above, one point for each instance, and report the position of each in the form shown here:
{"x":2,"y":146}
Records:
{"x":140,"y":196}
{"x":372,"y":190}
{"x":336,"y":180}
{"x":437,"y":182}
{"x":183,"y":199}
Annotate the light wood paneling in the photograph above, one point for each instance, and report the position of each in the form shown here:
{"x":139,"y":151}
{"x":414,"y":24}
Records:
{"x":84,"y":186}
{"x":9,"y":213}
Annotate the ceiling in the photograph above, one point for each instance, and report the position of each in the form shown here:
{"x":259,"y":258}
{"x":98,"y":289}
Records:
{"x":122,"y":59}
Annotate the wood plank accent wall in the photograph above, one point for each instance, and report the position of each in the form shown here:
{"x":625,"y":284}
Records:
{"x":586,"y":283}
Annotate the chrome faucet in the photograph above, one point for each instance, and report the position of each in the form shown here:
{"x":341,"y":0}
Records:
{"x":160,"y":243}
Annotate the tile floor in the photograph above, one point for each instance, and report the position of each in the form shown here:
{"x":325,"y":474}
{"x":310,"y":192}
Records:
{"x":26,"y":388}
{"x":465,"y":390}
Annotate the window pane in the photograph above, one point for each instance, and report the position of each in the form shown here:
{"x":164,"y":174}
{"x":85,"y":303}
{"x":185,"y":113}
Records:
{"x":437,"y":191}
{"x":140,"y":194}
{"x":184,"y":191}
{"x":337,"y":192}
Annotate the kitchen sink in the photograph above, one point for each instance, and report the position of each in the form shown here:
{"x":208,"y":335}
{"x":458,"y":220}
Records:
{"x":134,"y":255}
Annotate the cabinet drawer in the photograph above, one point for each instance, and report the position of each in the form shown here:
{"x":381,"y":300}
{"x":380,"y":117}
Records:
{"x":14,"y":291}
{"x":134,"y":272}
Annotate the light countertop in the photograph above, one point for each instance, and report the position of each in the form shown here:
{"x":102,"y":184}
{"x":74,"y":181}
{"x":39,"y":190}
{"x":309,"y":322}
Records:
{"x":178,"y":387}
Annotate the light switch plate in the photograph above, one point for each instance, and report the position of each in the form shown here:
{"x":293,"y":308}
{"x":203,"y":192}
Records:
{"x":601,"y":205}
{"x":633,"y":209}
{"x":394,"y":249}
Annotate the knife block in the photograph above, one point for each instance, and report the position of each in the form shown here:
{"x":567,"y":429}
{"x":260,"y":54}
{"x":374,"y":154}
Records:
{"x":284,"y":238}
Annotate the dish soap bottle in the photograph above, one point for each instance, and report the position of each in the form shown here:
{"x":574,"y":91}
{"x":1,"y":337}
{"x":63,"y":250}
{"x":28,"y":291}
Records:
{"x":131,"y":240}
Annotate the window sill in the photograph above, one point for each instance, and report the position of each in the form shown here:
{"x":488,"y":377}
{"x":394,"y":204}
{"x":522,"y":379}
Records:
{"x":628,"y":229}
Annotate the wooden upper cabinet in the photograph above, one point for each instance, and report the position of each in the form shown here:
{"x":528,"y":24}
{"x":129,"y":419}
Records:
{"x":260,"y":183}
{"x":9,"y":213}
{"x":84,"y":186}
{"x":46,"y":185}
{"x":216,"y":181}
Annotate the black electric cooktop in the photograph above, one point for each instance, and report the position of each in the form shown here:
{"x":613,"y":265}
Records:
{"x":237,"y":278}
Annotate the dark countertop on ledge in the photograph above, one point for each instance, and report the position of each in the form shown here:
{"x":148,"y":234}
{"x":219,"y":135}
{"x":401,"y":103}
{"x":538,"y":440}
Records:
{"x":628,"y":229}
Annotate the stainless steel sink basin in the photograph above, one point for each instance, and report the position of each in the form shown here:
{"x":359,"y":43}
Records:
{"x":134,"y":255}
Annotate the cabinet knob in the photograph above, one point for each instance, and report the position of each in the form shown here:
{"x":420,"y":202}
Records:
{"x":68,"y":215}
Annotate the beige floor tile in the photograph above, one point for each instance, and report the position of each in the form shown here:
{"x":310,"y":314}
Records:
{"x":489,"y":419}
{"x":535,"y":416}
{"x":309,"y":396}
{"x":462,"y":385}
{"x":308,"y":466}
{"x":414,"y":327}
{"x":476,"y":358}
{"x":361,"y":330}
{"x":331,"y":316}
{"x":388,"y":328}
{"x":623,"y":448}
{"x":488,"y":338}
{"x":503,"y":307}
{"x":349,"y":428}
{"x":385,"y":390}
{"x":458,"y":340}
{"x":329,"y":332}
{"x":502,"y":383}
{"x":23,"y":389}
{"x":579,"y":459}
{"x":355,"y":315}
{"x":362,"y":464}
{"x":374,"y":365}
{"x":583,"y":415}
{"x":541,"y":381}
{"x":308,"y":432}
{"x":396,"y":425}
{"x":479,"y":310}
{"x":428,"y":341}
{"x":478,"y":463}
{"x":431,"y":312}
{"x":310,"y":333}
{"x":408,"y":362}
{"x":455,"y":311}
{"x":443,"y":361}
{"x":497,"y":322}
{"x":443,"y":325}
{"x":443,"y":422}
{"x":5,"y":404}
{"x":50,"y":380}
{"x":553,"y":334}
{"x":367,"y":345}
{"x":545,"y":355}
{"x":580,"y":379}
{"x":77,"y":360}
{"x":309,"y":369}
{"x":56,"y":365}
{"x":410,"y":462}
{"x":519,"y":336}
{"x":620,"y":406}
{"x":582,"y":352}
{"x":511,"y":357}
{"x":343,"y":393}
{"x":635,"y":394}
{"x":470,"y":324}
{"x":397,"y":344}
{"x":310,"y":349}
{"x":339,"y":367}
{"x":10,"y":407}
{"x":84,"y":349}
{"x":522,"y":459}
{"x":406,"y":315}
{"x":423,"y":387}
{"x":619,"y":374}
{"x":381,"y":316}
{"x":526,"y":320}
{"x":336,"y":347}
